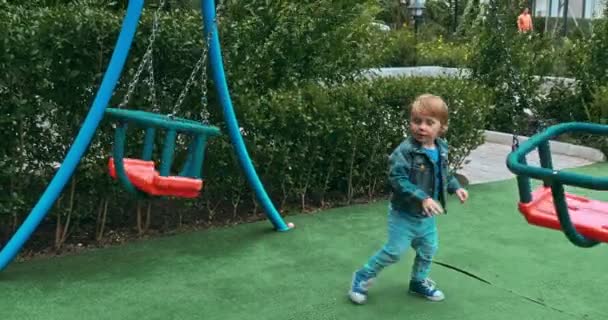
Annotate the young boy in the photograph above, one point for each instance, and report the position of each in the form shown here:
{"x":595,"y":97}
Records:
{"x":420,"y":181}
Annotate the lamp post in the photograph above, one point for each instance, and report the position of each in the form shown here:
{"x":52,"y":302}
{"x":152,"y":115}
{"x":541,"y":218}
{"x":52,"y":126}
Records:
{"x":402,"y":13}
{"x":416,"y":11}
{"x":416,"y":8}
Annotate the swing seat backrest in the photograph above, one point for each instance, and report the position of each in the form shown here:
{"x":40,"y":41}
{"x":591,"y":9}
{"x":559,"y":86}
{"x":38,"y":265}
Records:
{"x":143,"y":175}
{"x":140,"y":175}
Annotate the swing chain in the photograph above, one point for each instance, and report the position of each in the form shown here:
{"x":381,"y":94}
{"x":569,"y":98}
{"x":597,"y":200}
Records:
{"x":201,"y":64}
{"x":515,"y":143}
{"x":152,"y":85}
{"x":146,"y":61}
{"x":204,"y":101}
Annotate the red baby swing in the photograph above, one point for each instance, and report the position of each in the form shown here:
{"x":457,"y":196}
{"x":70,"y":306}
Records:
{"x":584,"y":221}
{"x":140,"y":176}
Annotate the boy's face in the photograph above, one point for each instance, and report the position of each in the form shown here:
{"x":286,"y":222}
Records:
{"x":425,"y":129}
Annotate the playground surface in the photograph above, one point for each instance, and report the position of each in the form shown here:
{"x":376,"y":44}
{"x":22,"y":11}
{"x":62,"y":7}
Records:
{"x":515,"y":271}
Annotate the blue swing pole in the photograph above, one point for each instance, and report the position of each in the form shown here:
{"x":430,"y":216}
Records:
{"x":217,"y":68}
{"x":84,"y":137}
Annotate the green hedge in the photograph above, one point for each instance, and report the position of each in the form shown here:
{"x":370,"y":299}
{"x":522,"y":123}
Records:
{"x":335,"y":140}
{"x":311,"y":143}
{"x":404,"y":49}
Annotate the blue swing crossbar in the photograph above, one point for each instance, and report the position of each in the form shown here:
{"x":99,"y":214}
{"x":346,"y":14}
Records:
{"x":588,"y":212}
{"x":154,"y":120}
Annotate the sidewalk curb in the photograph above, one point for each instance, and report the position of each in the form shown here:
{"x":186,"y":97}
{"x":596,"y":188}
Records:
{"x":563,"y":148}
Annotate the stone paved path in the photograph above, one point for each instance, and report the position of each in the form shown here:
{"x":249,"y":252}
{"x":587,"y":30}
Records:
{"x":488,"y":163}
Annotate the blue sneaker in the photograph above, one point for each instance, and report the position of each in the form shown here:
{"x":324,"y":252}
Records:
{"x":359,"y":287}
{"x":426,"y":288}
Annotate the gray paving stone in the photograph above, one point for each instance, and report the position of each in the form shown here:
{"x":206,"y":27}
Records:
{"x":488,"y":163}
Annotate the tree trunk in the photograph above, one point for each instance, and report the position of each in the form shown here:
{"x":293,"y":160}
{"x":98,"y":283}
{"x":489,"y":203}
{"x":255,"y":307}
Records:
{"x":140,"y":229}
{"x":254,"y":211}
{"x":61,"y":231}
{"x":285,"y":195}
{"x":304,"y":189}
{"x":235,"y":205}
{"x":102,"y":213}
{"x":326,"y":181}
{"x":350,"y":192}
{"x":212,"y":209}
{"x":148,"y":217}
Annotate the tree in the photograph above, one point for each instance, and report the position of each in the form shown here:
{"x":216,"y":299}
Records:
{"x":508,"y":72}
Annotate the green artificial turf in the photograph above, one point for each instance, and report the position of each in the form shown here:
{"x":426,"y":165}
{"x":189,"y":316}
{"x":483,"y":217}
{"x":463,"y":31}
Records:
{"x":252,"y":272}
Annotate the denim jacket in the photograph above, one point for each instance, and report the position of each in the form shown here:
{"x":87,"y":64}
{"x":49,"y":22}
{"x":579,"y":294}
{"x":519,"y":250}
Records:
{"x":412,"y":176}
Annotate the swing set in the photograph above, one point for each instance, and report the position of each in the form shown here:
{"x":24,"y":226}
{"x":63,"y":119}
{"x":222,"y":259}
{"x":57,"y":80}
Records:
{"x":139,"y":175}
{"x":584,"y":221}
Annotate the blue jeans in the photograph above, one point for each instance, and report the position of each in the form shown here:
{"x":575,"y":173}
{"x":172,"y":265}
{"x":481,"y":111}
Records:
{"x":405,"y":230}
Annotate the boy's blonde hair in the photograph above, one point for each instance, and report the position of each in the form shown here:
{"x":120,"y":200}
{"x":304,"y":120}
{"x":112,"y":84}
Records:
{"x":431,"y":106}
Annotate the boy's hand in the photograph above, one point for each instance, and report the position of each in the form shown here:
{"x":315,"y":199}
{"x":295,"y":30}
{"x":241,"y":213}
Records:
{"x":462,"y":194}
{"x":430,"y":207}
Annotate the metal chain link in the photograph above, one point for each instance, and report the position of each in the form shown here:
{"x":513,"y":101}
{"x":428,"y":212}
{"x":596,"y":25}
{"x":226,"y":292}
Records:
{"x":204,"y":101}
{"x":152,"y":85}
{"x":184,"y":92}
{"x":146,"y":60}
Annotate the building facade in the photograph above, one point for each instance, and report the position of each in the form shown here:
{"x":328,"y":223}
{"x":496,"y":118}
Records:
{"x":580,"y":9}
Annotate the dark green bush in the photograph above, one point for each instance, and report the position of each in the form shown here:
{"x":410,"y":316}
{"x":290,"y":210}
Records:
{"x":439,"y":52}
{"x":403,"y":50}
{"x":561,"y":104}
{"x":324,"y":140}
{"x":400,"y":50}
{"x":590,"y":56}
{"x":501,"y":63}
{"x":282,"y":44}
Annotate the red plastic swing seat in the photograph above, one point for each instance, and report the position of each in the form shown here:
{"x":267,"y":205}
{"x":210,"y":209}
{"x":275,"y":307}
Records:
{"x":589,"y":217}
{"x":144,"y":177}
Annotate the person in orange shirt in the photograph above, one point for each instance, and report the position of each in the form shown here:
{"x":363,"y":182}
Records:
{"x":524,"y":21}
